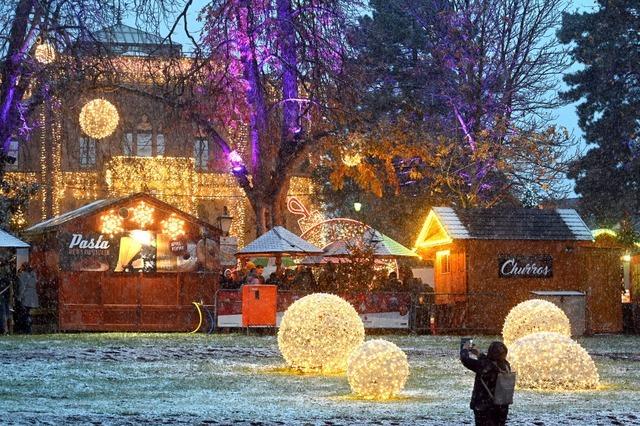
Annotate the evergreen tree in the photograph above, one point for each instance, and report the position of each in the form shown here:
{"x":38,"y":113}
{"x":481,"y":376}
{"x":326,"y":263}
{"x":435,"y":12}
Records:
{"x":607,"y":42}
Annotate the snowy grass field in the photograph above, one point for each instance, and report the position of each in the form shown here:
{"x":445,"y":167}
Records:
{"x":224,"y":379}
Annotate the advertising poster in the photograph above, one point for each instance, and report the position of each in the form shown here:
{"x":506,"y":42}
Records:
{"x":137,"y":251}
{"x":377,"y":310}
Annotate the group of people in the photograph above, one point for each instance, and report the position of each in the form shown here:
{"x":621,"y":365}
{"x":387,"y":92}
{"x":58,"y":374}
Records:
{"x":18,"y":296}
{"x":250,"y":273}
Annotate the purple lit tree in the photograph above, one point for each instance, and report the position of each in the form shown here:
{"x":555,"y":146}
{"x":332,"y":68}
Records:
{"x":280,"y":67}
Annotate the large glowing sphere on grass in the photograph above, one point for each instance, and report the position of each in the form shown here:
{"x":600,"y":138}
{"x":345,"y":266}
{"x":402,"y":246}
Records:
{"x":378,"y":369}
{"x":318,"y":333}
{"x":99,"y":118}
{"x":552,"y":361}
{"x":534,"y":316}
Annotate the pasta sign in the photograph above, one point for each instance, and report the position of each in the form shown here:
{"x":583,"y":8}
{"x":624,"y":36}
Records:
{"x":510,"y":266}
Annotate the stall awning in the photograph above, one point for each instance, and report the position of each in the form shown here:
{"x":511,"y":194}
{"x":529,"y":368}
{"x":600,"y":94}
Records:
{"x":9,"y":241}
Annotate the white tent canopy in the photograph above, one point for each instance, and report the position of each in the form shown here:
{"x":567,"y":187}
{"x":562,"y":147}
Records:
{"x":279,"y":241}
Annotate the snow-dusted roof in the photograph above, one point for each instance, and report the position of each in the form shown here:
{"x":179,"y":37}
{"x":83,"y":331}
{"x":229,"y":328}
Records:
{"x":9,"y":241}
{"x":513,"y":224}
{"x":279,"y":241}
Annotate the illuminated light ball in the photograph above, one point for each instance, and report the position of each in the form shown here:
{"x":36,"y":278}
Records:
{"x":99,"y":118}
{"x":45,"y":53}
{"x":351,"y":160}
{"x":318,"y":333}
{"x":378,"y":369}
{"x":533,"y":316}
{"x":552,"y":361}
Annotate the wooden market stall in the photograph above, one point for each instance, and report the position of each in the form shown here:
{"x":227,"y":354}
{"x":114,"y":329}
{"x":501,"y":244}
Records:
{"x":125,"y":264}
{"x":488,"y":260}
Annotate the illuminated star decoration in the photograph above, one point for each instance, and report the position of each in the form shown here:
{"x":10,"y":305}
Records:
{"x":173,"y":226}
{"x":533,"y":316}
{"x":111,"y":223}
{"x":142,"y":214}
{"x":378,"y":369}
{"x":318,"y":333}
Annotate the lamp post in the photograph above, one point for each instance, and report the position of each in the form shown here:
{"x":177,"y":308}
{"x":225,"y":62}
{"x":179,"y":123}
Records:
{"x":224,"y":221}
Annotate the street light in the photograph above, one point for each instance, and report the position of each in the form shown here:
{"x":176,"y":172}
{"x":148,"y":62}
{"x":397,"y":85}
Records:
{"x":224,"y":221}
{"x":357,"y":206}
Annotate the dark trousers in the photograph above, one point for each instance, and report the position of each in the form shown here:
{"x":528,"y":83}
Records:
{"x":22,"y":319}
{"x":495,"y":416}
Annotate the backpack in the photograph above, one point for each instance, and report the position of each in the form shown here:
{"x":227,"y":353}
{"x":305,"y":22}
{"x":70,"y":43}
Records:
{"x":505,"y":387}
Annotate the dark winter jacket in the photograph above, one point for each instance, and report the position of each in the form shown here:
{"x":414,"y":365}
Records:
{"x":488,"y":371}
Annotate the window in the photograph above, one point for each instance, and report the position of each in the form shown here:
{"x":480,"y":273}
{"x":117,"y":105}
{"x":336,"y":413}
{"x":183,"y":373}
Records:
{"x":141,"y":144}
{"x":443,"y":258}
{"x":12,"y":155}
{"x":159,"y":144}
{"x":201,"y":153}
{"x":87,"y":152}
{"x":127,"y":148}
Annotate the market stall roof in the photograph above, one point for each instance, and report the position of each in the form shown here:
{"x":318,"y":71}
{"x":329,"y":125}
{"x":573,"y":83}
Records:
{"x":444,"y":224}
{"x":9,"y":241}
{"x":384,"y":247}
{"x":279,"y":241}
{"x":101,"y":205}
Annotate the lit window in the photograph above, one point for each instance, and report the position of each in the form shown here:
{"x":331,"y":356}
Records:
{"x":87,"y":152}
{"x":442,"y":257}
{"x":201,"y":153}
{"x":12,"y":155}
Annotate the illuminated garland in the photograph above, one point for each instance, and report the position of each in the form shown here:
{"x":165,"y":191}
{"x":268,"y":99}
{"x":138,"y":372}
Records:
{"x":99,"y":118}
{"x":378,"y":369}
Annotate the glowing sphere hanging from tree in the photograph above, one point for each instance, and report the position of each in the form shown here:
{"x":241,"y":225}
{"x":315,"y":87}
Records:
{"x":552,"y":361}
{"x":533,"y":316}
{"x":45,"y":53}
{"x":378,"y":369}
{"x":99,"y":118}
{"x":319,"y":332}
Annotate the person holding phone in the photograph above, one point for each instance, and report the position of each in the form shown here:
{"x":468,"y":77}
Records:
{"x":486,"y":367}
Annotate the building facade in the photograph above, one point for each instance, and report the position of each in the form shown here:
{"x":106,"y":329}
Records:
{"x":154,"y":149}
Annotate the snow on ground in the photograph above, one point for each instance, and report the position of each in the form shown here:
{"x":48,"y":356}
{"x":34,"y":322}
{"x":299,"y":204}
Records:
{"x":222,"y":379}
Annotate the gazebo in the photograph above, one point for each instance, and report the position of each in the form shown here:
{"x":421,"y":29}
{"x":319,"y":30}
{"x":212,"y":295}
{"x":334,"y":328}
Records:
{"x":279,"y":242}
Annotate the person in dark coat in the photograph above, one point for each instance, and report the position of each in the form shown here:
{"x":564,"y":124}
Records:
{"x":486,"y":367}
{"x":27,"y":296}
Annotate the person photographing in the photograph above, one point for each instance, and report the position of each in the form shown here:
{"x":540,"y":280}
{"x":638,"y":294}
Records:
{"x":494,"y":382}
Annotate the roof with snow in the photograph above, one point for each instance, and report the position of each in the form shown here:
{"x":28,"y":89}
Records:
{"x":279,"y":241}
{"x":9,"y":241}
{"x":445,"y":224}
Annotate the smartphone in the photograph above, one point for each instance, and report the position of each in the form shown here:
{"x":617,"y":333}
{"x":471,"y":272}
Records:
{"x":466,"y":343}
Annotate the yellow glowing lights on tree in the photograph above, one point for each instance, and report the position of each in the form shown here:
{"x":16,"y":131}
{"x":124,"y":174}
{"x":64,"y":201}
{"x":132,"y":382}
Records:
{"x":319,"y":332}
{"x":534,"y":316}
{"x":551,"y":361}
{"x":142,"y":214}
{"x":351,"y":160}
{"x":378,"y":369}
{"x":111,"y":223}
{"x":173,"y":226}
{"x":99,"y":118}
{"x":45,"y":53}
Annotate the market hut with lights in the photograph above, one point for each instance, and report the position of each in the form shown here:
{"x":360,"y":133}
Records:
{"x":133,"y":263}
{"x":486,"y":261}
